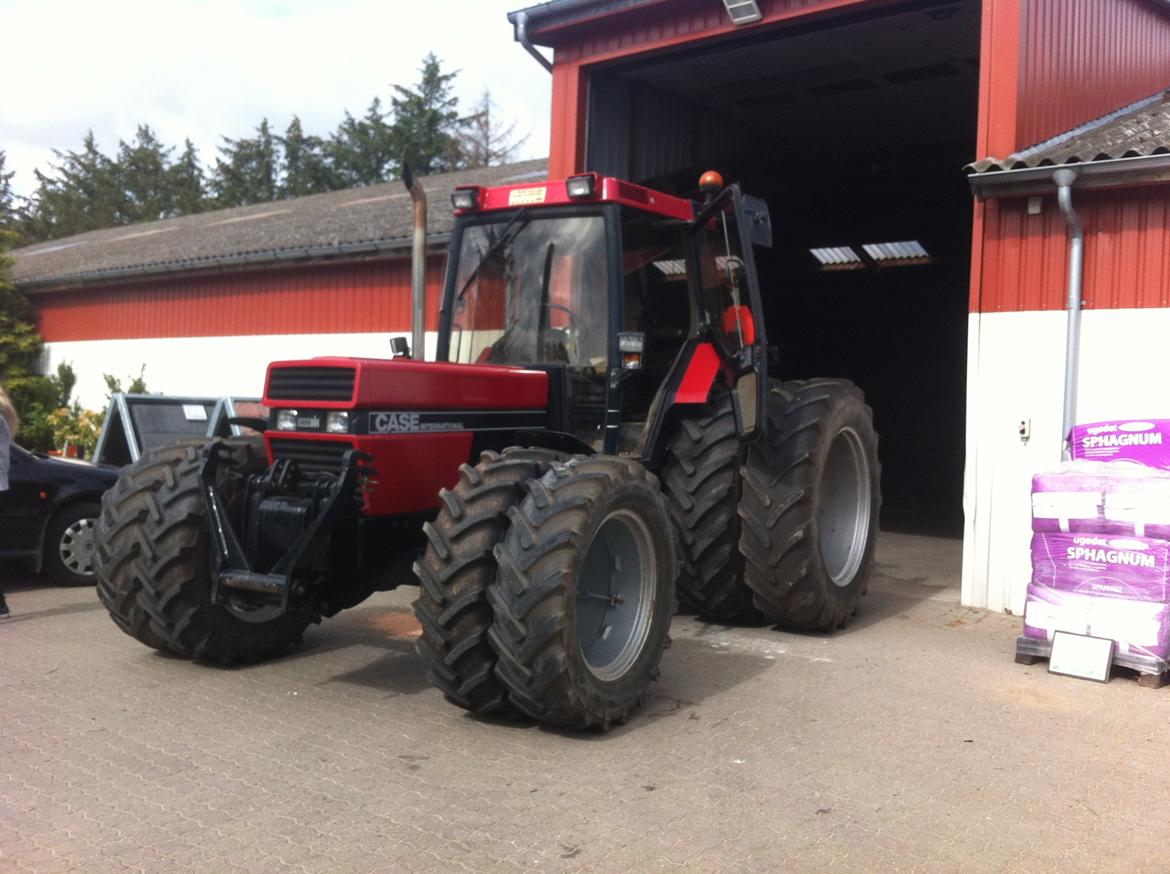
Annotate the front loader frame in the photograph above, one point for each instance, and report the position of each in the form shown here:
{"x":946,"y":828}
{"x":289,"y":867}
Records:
{"x":294,"y":571}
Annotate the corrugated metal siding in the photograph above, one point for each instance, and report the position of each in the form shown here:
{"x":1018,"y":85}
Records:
{"x":674,"y":22}
{"x":1127,"y":252}
{"x":1081,"y":59}
{"x":640,"y":133}
{"x":326,"y":299}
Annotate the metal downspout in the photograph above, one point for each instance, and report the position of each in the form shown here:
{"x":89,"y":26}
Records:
{"x":1064,"y":179}
{"x":521,"y":23}
{"x":418,"y":266}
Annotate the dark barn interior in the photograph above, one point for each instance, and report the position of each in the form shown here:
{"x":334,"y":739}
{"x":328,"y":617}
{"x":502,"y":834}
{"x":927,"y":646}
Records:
{"x":855,"y":131}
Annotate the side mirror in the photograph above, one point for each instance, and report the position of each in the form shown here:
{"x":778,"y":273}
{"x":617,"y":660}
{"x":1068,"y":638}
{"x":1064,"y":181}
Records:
{"x":759,"y":221}
{"x":399,"y":347}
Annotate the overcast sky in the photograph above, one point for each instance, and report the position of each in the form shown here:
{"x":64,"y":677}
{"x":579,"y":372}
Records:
{"x":202,"y":68}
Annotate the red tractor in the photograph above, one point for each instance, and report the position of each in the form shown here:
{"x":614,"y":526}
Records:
{"x":598,"y":426}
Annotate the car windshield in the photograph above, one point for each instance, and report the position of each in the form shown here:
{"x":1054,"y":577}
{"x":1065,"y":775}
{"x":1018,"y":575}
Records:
{"x":532,"y":291}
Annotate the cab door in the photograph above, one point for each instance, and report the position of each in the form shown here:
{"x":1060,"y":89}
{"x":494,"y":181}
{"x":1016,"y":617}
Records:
{"x":726,"y":289}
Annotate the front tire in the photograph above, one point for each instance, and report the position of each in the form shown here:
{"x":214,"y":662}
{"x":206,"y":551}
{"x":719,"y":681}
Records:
{"x":585,"y":592}
{"x":457,"y":569}
{"x":154,"y":560}
{"x":812,"y":492}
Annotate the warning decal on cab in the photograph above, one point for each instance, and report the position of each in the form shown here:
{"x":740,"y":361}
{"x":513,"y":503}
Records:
{"x":523,"y":196}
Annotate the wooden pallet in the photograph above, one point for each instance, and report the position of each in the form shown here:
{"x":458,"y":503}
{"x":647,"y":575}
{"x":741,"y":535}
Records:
{"x":1151,"y":672}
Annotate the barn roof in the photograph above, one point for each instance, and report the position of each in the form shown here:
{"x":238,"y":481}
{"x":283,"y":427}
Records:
{"x":1138,"y":131}
{"x":352,"y":222}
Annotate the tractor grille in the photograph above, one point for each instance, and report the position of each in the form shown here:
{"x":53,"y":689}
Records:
{"x":311,"y":384}
{"x":311,"y":456}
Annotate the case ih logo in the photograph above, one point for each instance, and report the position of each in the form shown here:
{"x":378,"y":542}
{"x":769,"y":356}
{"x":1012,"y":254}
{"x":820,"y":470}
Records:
{"x":404,"y":423}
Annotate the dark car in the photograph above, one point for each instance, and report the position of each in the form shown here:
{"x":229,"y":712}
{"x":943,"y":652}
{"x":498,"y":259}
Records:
{"x":48,"y":513}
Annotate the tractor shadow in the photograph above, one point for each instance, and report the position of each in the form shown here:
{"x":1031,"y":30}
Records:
{"x":693,"y":670}
{"x":400,"y":670}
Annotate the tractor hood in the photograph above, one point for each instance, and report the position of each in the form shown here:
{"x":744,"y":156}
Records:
{"x":402,"y":384}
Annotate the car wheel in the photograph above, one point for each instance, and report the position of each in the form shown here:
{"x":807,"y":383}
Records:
{"x":70,"y":545}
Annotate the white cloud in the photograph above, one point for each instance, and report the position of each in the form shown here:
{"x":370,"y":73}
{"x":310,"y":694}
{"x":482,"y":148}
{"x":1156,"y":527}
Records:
{"x":205,"y":68}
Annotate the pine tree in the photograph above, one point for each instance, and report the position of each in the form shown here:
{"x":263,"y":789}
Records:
{"x":426,"y":121}
{"x":362,"y":151}
{"x":247,"y":171}
{"x":304,"y":169}
{"x":20,"y":344}
{"x":185,"y":178}
{"x":80,"y":194}
{"x":9,"y":211}
{"x":486,"y":140}
{"x":143,"y":169}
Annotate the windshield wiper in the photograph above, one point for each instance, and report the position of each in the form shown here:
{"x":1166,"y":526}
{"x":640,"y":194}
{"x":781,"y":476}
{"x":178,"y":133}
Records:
{"x":507,"y":235}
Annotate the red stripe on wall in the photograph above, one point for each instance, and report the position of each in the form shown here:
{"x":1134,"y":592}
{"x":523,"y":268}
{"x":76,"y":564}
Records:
{"x":1127,"y":252}
{"x":369,"y":296}
{"x":1081,"y":59}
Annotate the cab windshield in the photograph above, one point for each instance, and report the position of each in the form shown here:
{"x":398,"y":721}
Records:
{"x":531,"y":290}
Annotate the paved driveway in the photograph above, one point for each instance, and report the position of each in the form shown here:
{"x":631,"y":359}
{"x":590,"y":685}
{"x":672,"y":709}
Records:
{"x":911,"y":741}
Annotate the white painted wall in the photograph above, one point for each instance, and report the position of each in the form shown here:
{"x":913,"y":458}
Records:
{"x":205,"y":366}
{"x":1015,"y":371}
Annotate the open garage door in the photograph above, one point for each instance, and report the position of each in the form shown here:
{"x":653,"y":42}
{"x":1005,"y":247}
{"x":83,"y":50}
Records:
{"x":855,"y":130}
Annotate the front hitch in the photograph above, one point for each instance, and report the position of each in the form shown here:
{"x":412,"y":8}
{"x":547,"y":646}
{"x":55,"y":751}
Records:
{"x":292,"y":572}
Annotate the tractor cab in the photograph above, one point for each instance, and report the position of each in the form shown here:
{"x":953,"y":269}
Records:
{"x":633,"y":301}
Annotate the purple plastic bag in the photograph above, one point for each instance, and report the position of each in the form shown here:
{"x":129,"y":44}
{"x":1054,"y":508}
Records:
{"x":1111,"y":566}
{"x":1140,"y":628}
{"x":1146,"y":441}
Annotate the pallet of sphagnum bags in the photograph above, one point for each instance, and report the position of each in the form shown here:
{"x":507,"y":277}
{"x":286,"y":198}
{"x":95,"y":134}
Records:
{"x":1101,"y":543}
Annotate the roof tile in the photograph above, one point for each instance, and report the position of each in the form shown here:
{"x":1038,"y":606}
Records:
{"x":1139,"y":130}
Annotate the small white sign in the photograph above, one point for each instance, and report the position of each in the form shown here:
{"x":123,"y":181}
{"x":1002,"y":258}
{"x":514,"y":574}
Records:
{"x":194,"y":412}
{"x":522,"y":196}
{"x":1079,"y":655}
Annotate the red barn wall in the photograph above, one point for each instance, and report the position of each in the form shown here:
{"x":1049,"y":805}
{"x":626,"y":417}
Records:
{"x":1127,"y":252}
{"x":371,"y":296}
{"x":1081,"y":59}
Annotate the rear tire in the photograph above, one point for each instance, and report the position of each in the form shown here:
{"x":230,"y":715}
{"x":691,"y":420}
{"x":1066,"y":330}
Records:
{"x":457,"y":569}
{"x":810,"y":505}
{"x":702,"y":483}
{"x":585,"y":592}
{"x":154,"y":560}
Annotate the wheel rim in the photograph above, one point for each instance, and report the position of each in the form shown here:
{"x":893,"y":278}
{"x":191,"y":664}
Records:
{"x":845,"y":504}
{"x":76,"y":547}
{"x":615,"y":596}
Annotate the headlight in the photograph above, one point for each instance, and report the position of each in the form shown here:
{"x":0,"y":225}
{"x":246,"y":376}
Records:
{"x":286,"y":420}
{"x":337,"y":422}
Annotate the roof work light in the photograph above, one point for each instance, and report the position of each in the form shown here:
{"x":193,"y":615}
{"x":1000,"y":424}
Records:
{"x":465,"y":198}
{"x":743,"y":11}
{"x":581,"y":186}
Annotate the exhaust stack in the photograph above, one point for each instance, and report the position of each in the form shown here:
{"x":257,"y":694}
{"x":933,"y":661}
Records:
{"x":418,"y":265}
